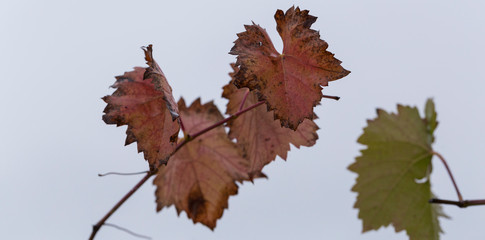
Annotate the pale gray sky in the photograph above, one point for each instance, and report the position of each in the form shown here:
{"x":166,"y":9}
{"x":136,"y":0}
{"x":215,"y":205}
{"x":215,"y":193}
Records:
{"x":59,"y":57}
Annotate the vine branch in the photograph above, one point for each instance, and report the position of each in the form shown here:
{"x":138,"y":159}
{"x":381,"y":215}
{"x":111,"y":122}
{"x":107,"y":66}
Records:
{"x":117,"y":205}
{"x":187,"y":139}
{"x":461,"y":204}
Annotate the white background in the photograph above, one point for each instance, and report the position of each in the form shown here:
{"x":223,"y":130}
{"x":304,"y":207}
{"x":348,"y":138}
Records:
{"x":57,"y":59}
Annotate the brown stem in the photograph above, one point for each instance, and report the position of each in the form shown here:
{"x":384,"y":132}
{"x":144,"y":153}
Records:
{"x":462,"y":203}
{"x":187,"y":139}
{"x":217,"y":124}
{"x":460,"y":198}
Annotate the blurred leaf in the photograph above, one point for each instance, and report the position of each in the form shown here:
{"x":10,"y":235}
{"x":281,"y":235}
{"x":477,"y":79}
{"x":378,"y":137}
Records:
{"x":398,"y":154}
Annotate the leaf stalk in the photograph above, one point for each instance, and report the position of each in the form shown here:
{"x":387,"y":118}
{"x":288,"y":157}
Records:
{"x":460,"y":198}
{"x":336,"y":98}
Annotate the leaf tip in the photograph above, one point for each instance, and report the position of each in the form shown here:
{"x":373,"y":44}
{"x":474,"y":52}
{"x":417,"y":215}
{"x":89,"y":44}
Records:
{"x":256,"y":174}
{"x":148,"y":50}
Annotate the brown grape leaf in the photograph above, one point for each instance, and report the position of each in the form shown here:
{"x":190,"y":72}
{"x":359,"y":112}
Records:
{"x":259,"y":133}
{"x":201,"y":176}
{"x":143,"y":100}
{"x":290,"y":82}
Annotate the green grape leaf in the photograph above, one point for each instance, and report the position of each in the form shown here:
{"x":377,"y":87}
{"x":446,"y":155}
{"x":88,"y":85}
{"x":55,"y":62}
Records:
{"x":393,"y":184}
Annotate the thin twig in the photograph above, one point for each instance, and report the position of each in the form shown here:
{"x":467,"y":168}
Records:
{"x":123,"y":174}
{"x":187,"y":139}
{"x":127,"y":231}
{"x":462,"y":203}
{"x":460,"y":198}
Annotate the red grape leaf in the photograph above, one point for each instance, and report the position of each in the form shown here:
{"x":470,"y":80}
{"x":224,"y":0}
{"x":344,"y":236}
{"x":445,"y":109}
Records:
{"x":143,"y":100}
{"x":200,"y":177}
{"x":290,"y":82}
{"x":259,"y":133}
{"x":160,"y":82}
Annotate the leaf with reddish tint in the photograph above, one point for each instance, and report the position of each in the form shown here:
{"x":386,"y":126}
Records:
{"x":290,"y":82}
{"x":200,"y":177}
{"x":259,"y":133}
{"x":159,"y":81}
{"x":143,"y":100}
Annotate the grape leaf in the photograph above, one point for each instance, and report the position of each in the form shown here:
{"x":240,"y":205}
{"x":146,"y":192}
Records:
{"x":160,"y":82}
{"x":398,"y":154}
{"x":290,"y":82}
{"x":143,"y":100}
{"x":259,"y":133}
{"x":201,"y":176}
